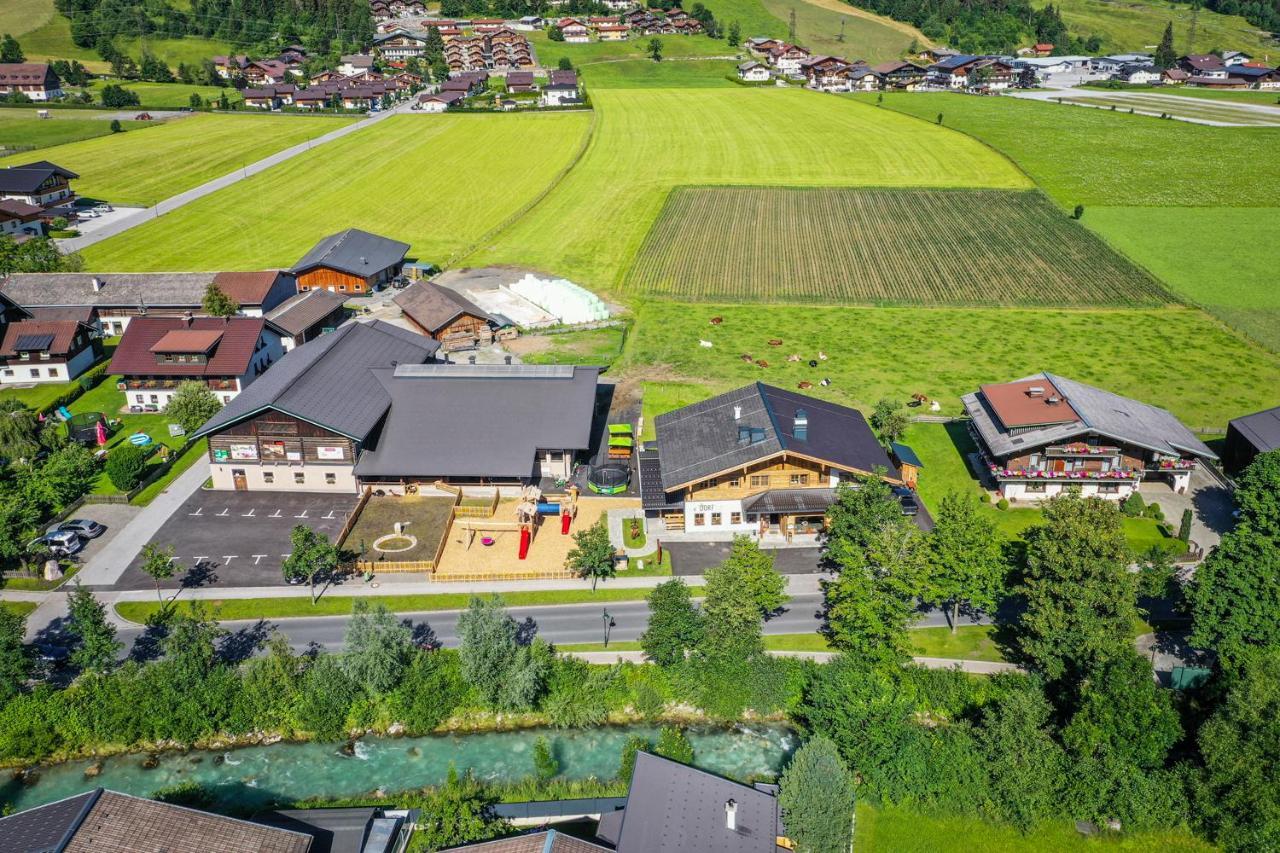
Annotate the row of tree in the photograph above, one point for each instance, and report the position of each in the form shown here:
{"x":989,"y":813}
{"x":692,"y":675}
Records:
{"x":986,"y":26}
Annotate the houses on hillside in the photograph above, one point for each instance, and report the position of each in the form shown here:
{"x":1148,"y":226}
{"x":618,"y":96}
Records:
{"x":39,"y":184}
{"x":35,"y":80}
{"x":35,"y":350}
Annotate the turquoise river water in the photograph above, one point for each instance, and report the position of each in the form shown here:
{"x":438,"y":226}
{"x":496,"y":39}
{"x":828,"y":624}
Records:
{"x":250,"y":777}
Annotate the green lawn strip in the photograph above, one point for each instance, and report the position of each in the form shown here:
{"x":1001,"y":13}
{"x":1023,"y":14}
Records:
{"x":590,"y":56}
{"x":652,"y":569}
{"x":345,"y":184}
{"x":589,"y":346}
{"x":169,"y":96}
{"x":900,"y":830}
{"x":121,"y":167}
{"x":20,"y":128}
{"x":1098,"y":157}
{"x":1221,"y":258}
{"x":37,"y":396}
{"x":19,"y":608}
{"x":38,"y":583}
{"x":1246,"y":96}
{"x":638,"y":539}
{"x":186,"y":460}
{"x":969,"y":642}
{"x":339,"y":605}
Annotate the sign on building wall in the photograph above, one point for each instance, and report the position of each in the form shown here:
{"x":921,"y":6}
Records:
{"x":332,"y":453}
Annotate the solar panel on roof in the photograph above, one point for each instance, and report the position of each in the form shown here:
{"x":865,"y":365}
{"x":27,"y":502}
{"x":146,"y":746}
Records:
{"x":33,"y":343}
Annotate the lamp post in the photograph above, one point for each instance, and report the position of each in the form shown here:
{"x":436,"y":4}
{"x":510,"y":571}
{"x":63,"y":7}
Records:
{"x":608,"y":623}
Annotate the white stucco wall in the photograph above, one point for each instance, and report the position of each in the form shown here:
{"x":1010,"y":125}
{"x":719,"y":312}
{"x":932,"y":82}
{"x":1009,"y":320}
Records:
{"x":284,"y":477}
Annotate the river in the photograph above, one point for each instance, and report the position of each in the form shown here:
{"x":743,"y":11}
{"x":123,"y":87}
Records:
{"x":257,"y":776}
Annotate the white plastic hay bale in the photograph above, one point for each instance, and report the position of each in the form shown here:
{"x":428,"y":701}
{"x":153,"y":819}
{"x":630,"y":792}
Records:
{"x":567,"y":301}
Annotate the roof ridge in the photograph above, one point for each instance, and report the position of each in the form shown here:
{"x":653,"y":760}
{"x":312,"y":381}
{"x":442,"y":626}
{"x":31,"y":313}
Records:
{"x":768,"y":410}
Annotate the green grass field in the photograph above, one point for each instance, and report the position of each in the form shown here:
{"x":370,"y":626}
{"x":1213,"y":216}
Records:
{"x":586,"y":56}
{"x":438,"y":182}
{"x":1178,"y":358}
{"x":895,"y":829}
{"x":668,"y":74}
{"x":1096,"y":157}
{"x":21,"y":128}
{"x":650,"y":141}
{"x":19,"y":608}
{"x":866,"y":35}
{"x":590,"y":346}
{"x":880,"y":246}
{"x":143,"y":167}
{"x":1179,"y":107}
{"x":1129,"y":25}
{"x":48,"y":36}
{"x":18,"y":17}
{"x":1247,"y":96}
{"x":1223,"y":258}
{"x":171,"y":96}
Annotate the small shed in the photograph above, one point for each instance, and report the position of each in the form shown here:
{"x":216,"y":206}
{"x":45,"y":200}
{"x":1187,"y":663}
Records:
{"x":908,"y":462}
{"x":1249,"y":435}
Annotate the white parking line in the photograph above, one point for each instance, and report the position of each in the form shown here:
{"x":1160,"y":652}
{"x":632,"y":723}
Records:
{"x":304,"y":514}
{"x":248,"y":514}
{"x":257,"y":558}
{"x":199,"y":511}
{"x":229,"y":558}
{"x":225,"y":511}
{"x":330,"y":515}
{"x":201,"y":559}
{"x":285,"y":556}
{"x":275,"y":514}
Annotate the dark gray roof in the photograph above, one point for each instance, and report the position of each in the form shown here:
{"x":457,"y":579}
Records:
{"x":329,"y":381}
{"x":338,"y":830}
{"x":461,"y":420}
{"x":433,"y":306}
{"x":1102,"y":412}
{"x":1261,"y":429}
{"x":790,"y":501}
{"x":674,"y":807}
{"x":123,"y":289}
{"x":704,"y":439}
{"x":303,"y":310}
{"x":28,"y":177}
{"x":48,"y":828}
{"x":354,"y":251}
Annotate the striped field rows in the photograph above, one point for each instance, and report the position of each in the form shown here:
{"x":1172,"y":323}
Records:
{"x":881,"y":246}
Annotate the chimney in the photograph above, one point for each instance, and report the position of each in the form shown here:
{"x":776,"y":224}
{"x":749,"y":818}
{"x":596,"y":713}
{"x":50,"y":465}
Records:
{"x":186,"y":318}
{"x":731,"y":815}
{"x":1035,"y":391}
{"x":97,"y":284}
{"x":800,"y":426}
{"x":737,"y":413}
{"x":364,"y":261}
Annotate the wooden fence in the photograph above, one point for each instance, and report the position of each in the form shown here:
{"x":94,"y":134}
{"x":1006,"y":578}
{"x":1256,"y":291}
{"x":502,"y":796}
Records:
{"x":486,"y":511}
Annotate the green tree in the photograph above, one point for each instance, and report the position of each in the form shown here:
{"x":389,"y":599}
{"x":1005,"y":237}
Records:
{"x":966,"y":565}
{"x":458,"y":812}
{"x":565,"y":64}
{"x":817,"y":798}
{"x":1238,"y":802}
{"x":555,"y":33}
{"x":19,"y":430}
{"x":889,"y":420}
{"x":1123,"y":715}
{"x":674,"y":744}
{"x":114,"y":96}
{"x":125,"y":466}
{"x":593,"y":555}
{"x":674,"y":628}
{"x":860,"y":512}
{"x":753,"y":569}
{"x":15,"y":660}
{"x":153,"y":69}
{"x":195,"y":101}
{"x":313,"y":557}
{"x":1024,"y":761}
{"x":655,"y":49}
{"x":730,"y":616}
{"x":325,"y":700}
{"x":545,"y":765}
{"x":96,"y":644}
{"x":871,"y":603}
{"x":487,"y":646}
{"x":1258,"y":494}
{"x":1081,"y":599}
{"x":10,"y":50}
{"x":158,"y":564}
{"x":216,"y":303}
{"x":627,"y":764}
{"x":1165,"y":56}
{"x":192,"y":403}
{"x":378,"y":647}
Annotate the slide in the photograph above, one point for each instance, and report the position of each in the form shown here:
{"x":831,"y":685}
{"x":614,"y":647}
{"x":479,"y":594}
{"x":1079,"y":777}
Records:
{"x":565,"y":521}
{"x":524,"y":543}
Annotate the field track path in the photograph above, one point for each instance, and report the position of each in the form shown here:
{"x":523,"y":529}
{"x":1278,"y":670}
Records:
{"x":172,"y":203}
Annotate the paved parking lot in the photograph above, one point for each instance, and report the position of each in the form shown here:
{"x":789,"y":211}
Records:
{"x":694,"y":558}
{"x":238,"y":538}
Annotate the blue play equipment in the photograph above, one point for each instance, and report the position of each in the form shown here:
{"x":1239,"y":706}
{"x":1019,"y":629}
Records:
{"x":64,"y":413}
{"x":548,"y":508}
{"x":139,"y":439}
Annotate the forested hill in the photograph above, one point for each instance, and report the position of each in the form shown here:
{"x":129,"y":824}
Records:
{"x":984,"y":26}
{"x":320,"y":24}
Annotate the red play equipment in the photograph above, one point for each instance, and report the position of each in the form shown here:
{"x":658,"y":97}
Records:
{"x":525,"y":536}
{"x":565,"y":521}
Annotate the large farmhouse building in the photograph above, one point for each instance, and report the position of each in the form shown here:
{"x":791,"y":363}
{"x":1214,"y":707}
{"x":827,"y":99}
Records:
{"x":351,"y":261}
{"x":1044,"y":434}
{"x":42,"y":184}
{"x":759,"y":460}
{"x":36,"y":80}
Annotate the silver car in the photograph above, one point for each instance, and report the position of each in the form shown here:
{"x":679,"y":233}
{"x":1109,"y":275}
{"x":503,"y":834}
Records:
{"x":86,"y":528}
{"x":61,"y":543}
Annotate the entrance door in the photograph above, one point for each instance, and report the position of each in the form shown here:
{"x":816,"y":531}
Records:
{"x":239,"y":479}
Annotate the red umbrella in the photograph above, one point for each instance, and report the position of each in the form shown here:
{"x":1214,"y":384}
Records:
{"x":102,"y":433}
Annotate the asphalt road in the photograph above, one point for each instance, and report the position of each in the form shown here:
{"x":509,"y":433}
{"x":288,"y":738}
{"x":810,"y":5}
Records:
{"x":561,"y":624}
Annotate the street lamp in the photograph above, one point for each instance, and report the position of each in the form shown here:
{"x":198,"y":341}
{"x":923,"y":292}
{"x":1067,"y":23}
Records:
{"x":608,"y":623}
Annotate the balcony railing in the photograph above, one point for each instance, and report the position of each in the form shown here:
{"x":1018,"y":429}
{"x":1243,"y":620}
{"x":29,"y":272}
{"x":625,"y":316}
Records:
{"x":1080,"y":450}
{"x":1032,"y":474}
{"x":1173,"y":465}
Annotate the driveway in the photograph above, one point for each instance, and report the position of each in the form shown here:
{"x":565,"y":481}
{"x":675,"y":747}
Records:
{"x":238,"y":538}
{"x":112,"y":516}
{"x":1210,"y":502}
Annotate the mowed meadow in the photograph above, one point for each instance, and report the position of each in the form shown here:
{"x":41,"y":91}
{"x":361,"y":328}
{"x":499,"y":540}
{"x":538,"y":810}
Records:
{"x":438,"y":182}
{"x":923,"y":246}
{"x":145,"y":165}
{"x":649,"y":141}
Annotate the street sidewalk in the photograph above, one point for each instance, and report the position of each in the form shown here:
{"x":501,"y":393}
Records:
{"x":977,"y":667}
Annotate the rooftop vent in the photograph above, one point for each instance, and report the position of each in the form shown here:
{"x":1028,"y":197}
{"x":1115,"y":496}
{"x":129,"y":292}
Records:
{"x":1035,"y":391}
{"x":737,"y":413}
{"x":1054,"y":400}
{"x":97,"y":284}
{"x":731,"y":815}
{"x":800,"y":426}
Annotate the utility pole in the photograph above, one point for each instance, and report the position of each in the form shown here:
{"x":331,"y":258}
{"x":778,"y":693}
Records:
{"x":840,"y":38}
{"x":1191,"y":36}
{"x":792,"y":28}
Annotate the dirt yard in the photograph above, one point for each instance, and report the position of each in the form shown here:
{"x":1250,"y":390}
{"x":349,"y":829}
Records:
{"x":501,"y":559}
{"x":424,"y":518}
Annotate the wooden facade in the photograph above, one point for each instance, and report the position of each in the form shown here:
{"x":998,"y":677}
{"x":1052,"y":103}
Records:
{"x":462,"y":332}
{"x":780,"y":472}
{"x":327,"y":278}
{"x":274,"y":437}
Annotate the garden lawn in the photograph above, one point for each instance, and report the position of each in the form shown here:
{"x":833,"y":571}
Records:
{"x":897,"y":829}
{"x":969,"y":642}
{"x":19,"y":608}
{"x":20,"y":127}
{"x":1225,"y":259}
{"x":1170,"y":357}
{"x":590,"y":346}
{"x":170,"y":96}
{"x":649,"y":141}
{"x":662,"y":397}
{"x":452,"y":179}
{"x":37,"y":396}
{"x":339,"y":605}
{"x":1131,"y":25}
{"x":141,"y":168}
{"x":194,"y":453}
{"x":1097,"y":157}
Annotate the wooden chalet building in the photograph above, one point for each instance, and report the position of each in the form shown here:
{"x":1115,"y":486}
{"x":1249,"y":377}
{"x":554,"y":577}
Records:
{"x":446,"y":316}
{"x":38,"y":351}
{"x":42,"y":184}
{"x":157,"y":354}
{"x":19,"y":219}
{"x":900,"y":74}
{"x":36,"y":80}
{"x":306,"y":316}
{"x":351,"y":261}
{"x":759,"y":461}
{"x":1250,"y":435}
{"x":1044,"y":434}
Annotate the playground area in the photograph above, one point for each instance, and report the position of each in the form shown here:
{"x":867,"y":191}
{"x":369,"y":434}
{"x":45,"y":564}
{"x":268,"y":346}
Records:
{"x":467,"y":557}
{"x":422,"y":520}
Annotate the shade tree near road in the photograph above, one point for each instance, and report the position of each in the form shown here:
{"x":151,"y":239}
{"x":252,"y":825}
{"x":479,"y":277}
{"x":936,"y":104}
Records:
{"x":674,"y":627}
{"x":506,"y":673}
{"x":592,"y":556}
{"x":817,"y":798}
{"x":158,"y":564}
{"x":313,"y":557}
{"x":966,"y":566}
{"x":192,"y":404}
{"x":378,"y":647}
{"x":752,"y":568}
{"x":96,"y":646}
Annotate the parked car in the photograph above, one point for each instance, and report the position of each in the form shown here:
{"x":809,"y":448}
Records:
{"x":907,"y":499}
{"x":61,"y":543}
{"x":86,"y":528}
